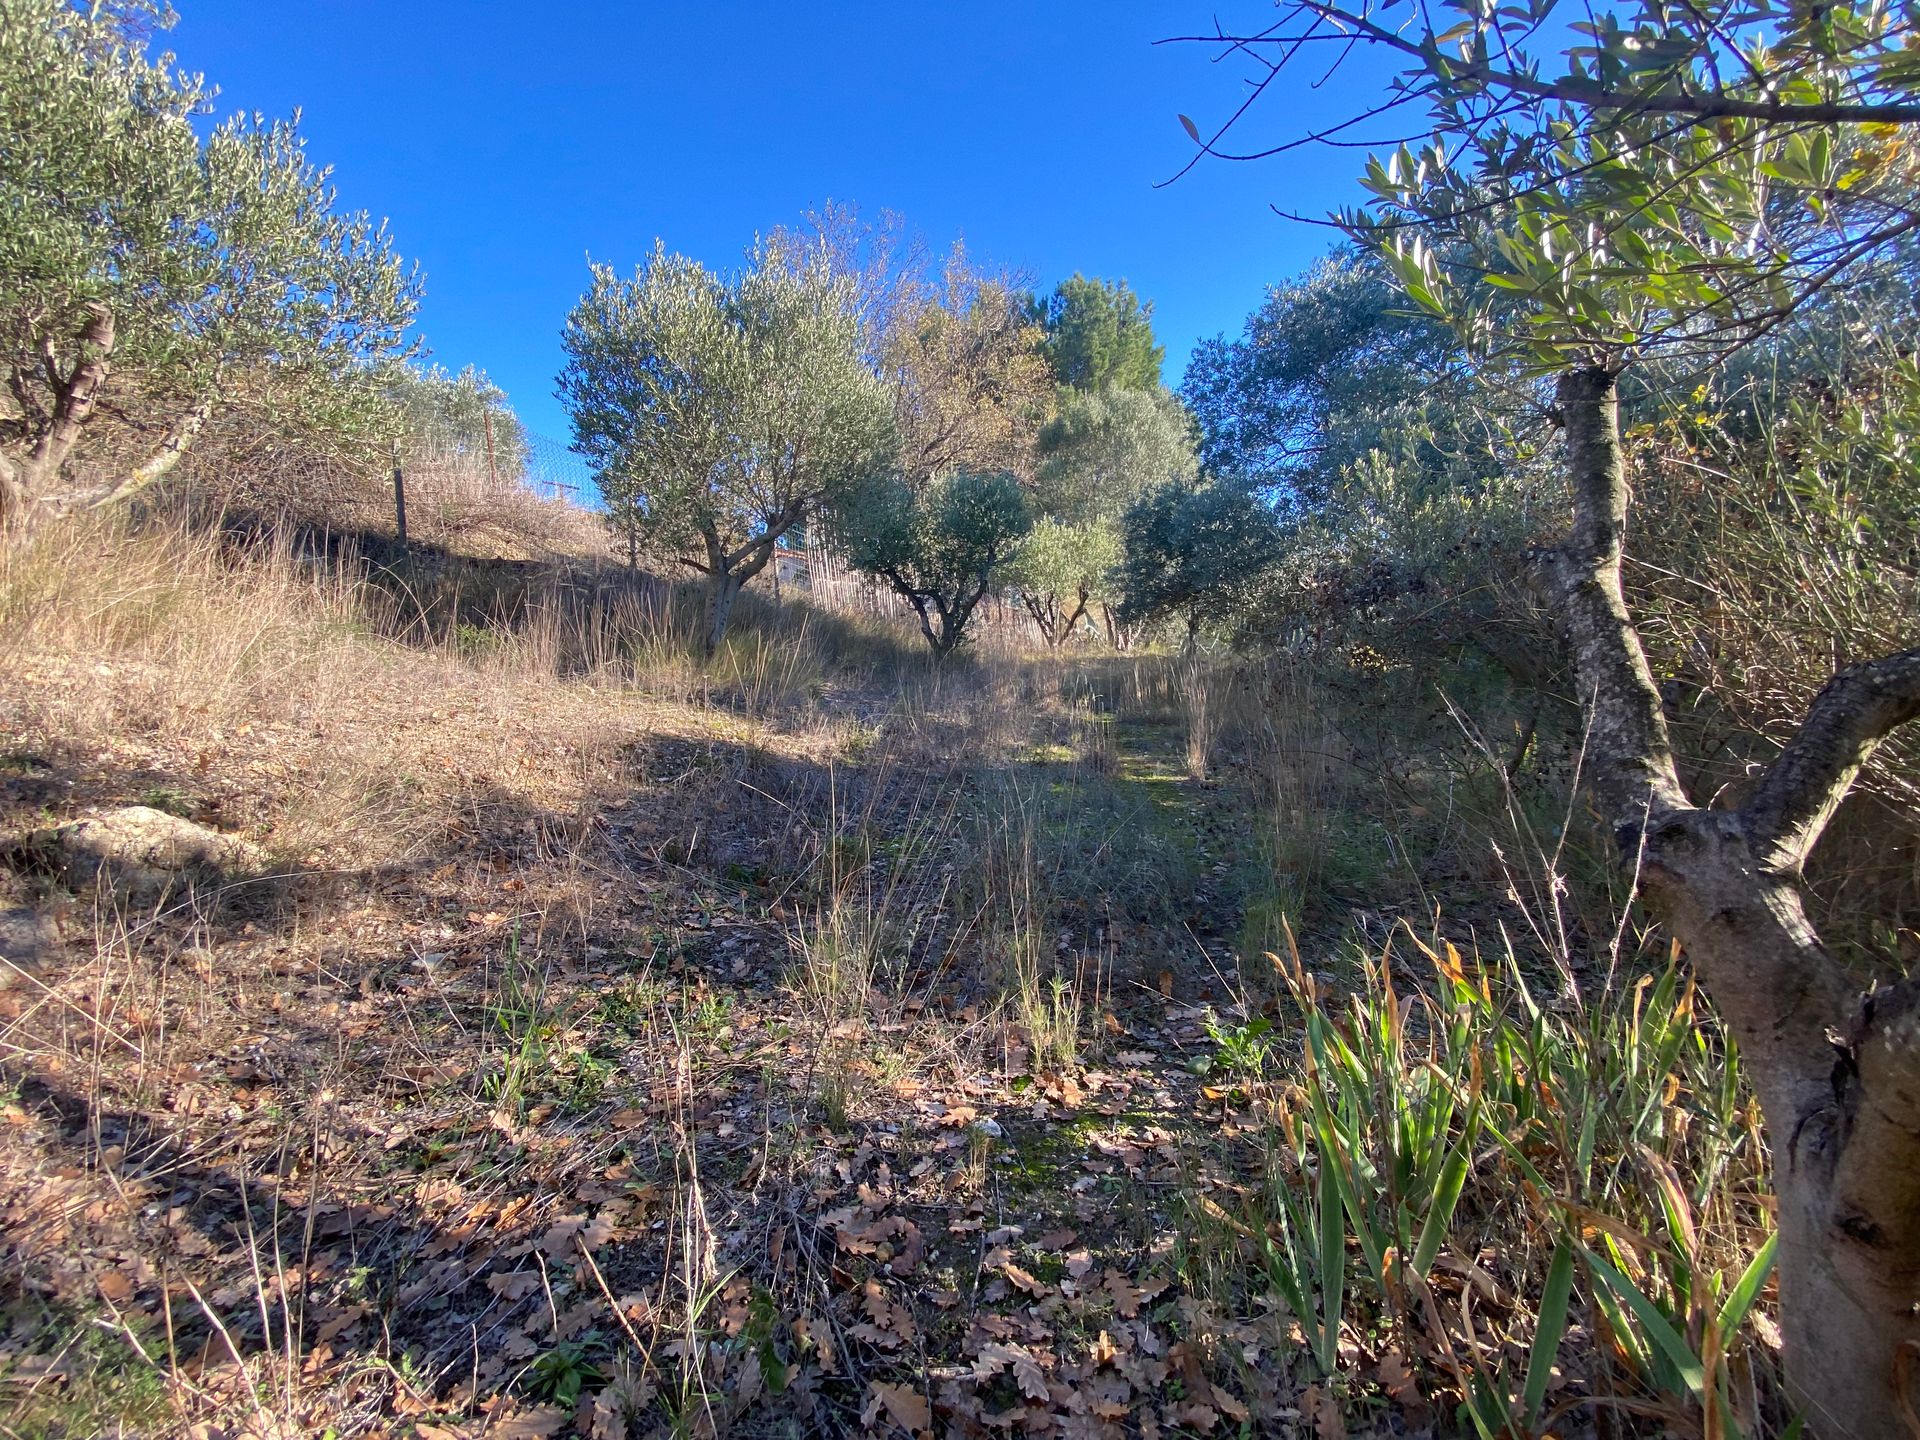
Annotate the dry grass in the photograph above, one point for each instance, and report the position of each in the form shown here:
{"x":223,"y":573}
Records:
{"x":455,"y":501}
{"x":259,"y":687}
{"x":548,"y":873}
{"x":637,"y":1045}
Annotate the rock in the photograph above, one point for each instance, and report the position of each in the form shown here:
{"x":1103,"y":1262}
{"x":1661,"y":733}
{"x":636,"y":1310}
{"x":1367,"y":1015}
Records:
{"x":142,"y":853}
{"x":28,"y":943}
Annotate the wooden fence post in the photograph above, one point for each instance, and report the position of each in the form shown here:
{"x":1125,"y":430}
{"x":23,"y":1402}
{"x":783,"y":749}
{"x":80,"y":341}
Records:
{"x":399,"y":497}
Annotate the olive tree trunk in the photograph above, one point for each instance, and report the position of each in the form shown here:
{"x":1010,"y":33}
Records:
{"x":74,"y":388}
{"x":728,"y":571}
{"x":167,"y":456}
{"x":13,"y":496}
{"x":1079,"y":613}
{"x":722,"y":590}
{"x":1050,"y":613}
{"x":943,"y":623}
{"x":1045,"y":610}
{"x":1837,"y":1071}
{"x":943,"y":617}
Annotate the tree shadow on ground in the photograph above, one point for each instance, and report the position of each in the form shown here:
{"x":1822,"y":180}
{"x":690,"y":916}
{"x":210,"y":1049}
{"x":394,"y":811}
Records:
{"x":421,"y":1128}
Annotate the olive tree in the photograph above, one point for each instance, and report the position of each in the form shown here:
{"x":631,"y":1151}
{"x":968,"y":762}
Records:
{"x":465,"y":413}
{"x":1100,"y":453}
{"x":1105,"y":448}
{"x":1724,"y":874}
{"x":151,"y":270}
{"x":1062,"y":570}
{"x":1190,"y":552}
{"x":1680,"y":183}
{"x":719,"y":410}
{"x":937,"y":545}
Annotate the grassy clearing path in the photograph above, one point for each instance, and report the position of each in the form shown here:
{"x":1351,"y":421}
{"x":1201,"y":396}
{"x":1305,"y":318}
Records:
{"x":714,"y":1094}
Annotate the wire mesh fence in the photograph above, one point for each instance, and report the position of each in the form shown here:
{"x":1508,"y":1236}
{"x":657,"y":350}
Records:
{"x":490,"y":488}
{"x":486,"y":487}
{"x":505,"y":486}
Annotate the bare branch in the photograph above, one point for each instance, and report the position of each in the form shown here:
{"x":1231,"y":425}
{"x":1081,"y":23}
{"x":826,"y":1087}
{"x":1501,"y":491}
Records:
{"x":1576,"y":90}
{"x":1848,"y":719}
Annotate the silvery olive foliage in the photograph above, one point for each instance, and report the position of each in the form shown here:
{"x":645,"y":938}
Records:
{"x":176,"y":273}
{"x":940,"y":545}
{"x":720,"y":410}
{"x":1611,"y":198}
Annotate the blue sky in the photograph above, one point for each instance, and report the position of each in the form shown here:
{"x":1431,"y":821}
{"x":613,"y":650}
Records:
{"x":510,"y":141}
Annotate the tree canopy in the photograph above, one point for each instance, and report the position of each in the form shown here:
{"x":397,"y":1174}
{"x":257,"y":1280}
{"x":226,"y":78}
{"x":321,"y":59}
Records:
{"x":1099,"y":334}
{"x":718,"y":410}
{"x":1099,"y":454}
{"x":970,"y":379}
{"x":1331,"y":366}
{"x":1191,"y":550}
{"x":938,"y":545}
{"x":465,"y":412}
{"x":1106,"y":447}
{"x":162,"y":271}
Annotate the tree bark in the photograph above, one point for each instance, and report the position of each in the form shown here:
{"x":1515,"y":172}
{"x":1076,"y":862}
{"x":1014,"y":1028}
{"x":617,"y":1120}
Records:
{"x":13,"y":497}
{"x":1632,"y":766}
{"x":157,"y":466}
{"x":950,"y":632}
{"x":1072,"y":622}
{"x":1837,"y":1072}
{"x":722,"y":590}
{"x":953,"y":621}
{"x":1044,"y":616}
{"x":728,"y":571}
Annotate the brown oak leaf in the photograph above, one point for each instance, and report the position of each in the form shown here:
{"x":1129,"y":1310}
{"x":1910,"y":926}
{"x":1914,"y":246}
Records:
{"x":904,"y":1406}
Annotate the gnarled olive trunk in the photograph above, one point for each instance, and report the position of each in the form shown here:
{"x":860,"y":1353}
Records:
{"x":722,"y":591}
{"x":943,"y":618}
{"x":1837,"y":1071}
{"x":1055,"y":622}
{"x":56,"y":429}
{"x":1045,"y":610}
{"x":943,"y":623}
{"x":166,"y":457}
{"x":1072,"y":622}
{"x":728,"y":571}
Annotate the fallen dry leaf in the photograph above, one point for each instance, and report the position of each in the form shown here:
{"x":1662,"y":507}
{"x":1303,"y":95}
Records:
{"x":995,"y":1357}
{"x":1323,"y":1410}
{"x":906,"y":1407}
{"x":1027,"y":1281}
{"x":1397,"y":1380}
{"x":1194,"y":1416}
{"x":538,"y":1423}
